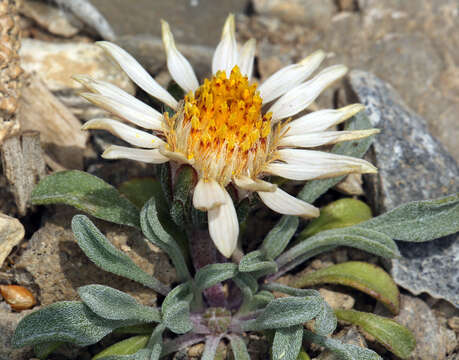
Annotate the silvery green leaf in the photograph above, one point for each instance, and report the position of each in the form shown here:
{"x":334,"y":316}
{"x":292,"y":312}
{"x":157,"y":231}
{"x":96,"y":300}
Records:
{"x":259,"y":301}
{"x":42,"y":350}
{"x":88,"y":193}
{"x":176,"y":317}
{"x":248,"y":286}
{"x":181,"y":292}
{"x":285,"y":312}
{"x":273,"y":286}
{"x":256,"y":261}
{"x":113,"y":304}
{"x":368,"y":240}
{"x":326,"y":321}
{"x":210,"y":347}
{"x":181,"y":342}
{"x":165,"y":179}
{"x":287,"y":343}
{"x":239,"y":348}
{"x":66,"y":321}
{"x":213,"y":274}
{"x":356,"y":148}
{"x":153,"y":220}
{"x":343,"y":351}
{"x":419,"y":220}
{"x":102,"y":253}
{"x":278,"y":238}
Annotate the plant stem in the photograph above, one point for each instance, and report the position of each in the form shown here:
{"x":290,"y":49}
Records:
{"x":203,"y":252}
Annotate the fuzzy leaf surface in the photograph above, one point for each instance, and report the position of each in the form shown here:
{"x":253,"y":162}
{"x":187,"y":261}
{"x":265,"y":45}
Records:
{"x":280,"y":235}
{"x":287,"y":343}
{"x":113,"y":304}
{"x":87,"y":193}
{"x":139,"y":190}
{"x":419,"y":221}
{"x":106,"y":256}
{"x":66,"y":321}
{"x":213,"y":274}
{"x":239,"y":348}
{"x":176,"y":317}
{"x":393,"y":336}
{"x":256,"y":261}
{"x":286,"y":312}
{"x":154,"y":223}
{"x":326,"y":321}
{"x":368,"y":278}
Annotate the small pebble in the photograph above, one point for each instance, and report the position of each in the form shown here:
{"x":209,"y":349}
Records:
{"x":18,"y":297}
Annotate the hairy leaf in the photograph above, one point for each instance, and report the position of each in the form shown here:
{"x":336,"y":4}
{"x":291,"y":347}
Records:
{"x":343,"y":351}
{"x":113,"y":304}
{"x":153,"y":220}
{"x":287,"y":343}
{"x":278,"y":238}
{"x":43,"y":350}
{"x":255,"y":261}
{"x":365,"y":277}
{"x":181,"y":292}
{"x":88,"y":193}
{"x":371,"y":241}
{"x":102,"y":253}
{"x":239,"y":348}
{"x":273,"y":286}
{"x":259,"y":301}
{"x":176,"y":317}
{"x":213,"y":274}
{"x":210,"y":347}
{"x":66,"y":321}
{"x":326,"y":321}
{"x":395,"y":337}
{"x":419,"y":221}
{"x":338,"y":214}
{"x":286,"y":312}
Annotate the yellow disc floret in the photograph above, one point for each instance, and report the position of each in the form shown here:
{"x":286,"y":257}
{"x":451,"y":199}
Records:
{"x":221,"y":128}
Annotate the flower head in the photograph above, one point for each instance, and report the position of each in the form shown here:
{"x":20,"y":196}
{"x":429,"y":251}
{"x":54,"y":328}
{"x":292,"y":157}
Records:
{"x":220,"y":128}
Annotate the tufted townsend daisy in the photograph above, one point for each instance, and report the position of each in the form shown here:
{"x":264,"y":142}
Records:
{"x":229,"y":128}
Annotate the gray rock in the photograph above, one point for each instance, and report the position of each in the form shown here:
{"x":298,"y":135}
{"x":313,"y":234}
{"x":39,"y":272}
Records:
{"x":8,"y":323}
{"x":416,"y":315}
{"x":192,"y":21}
{"x":412,"y":166}
{"x":307,"y":12}
{"x":58,"y":266}
{"x":11,"y":234}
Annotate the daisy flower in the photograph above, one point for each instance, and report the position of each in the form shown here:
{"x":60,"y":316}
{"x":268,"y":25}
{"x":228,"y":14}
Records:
{"x":229,"y":128}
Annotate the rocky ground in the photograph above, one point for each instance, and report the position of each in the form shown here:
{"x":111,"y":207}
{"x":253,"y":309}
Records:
{"x":405,"y":61}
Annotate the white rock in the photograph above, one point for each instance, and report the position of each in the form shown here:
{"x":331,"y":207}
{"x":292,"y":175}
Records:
{"x":11,"y":234}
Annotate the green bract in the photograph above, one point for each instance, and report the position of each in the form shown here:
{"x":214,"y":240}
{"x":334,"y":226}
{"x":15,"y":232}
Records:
{"x":196,"y":309}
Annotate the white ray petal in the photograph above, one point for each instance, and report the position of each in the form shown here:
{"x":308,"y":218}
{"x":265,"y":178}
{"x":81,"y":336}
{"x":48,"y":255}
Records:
{"x":320,"y":138}
{"x":290,"y":76}
{"x":122,"y":152}
{"x":283,"y":203}
{"x":301,"y":96}
{"x":309,"y":164}
{"x":138,"y":74}
{"x":247,"y":57}
{"x":225,"y":56}
{"x":125,"y":132}
{"x":208,"y":194}
{"x":179,"y":67}
{"x":223,"y":226}
{"x":247,"y":183}
{"x":124,"y":111}
{"x":322,"y":119}
{"x":150,"y":118}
